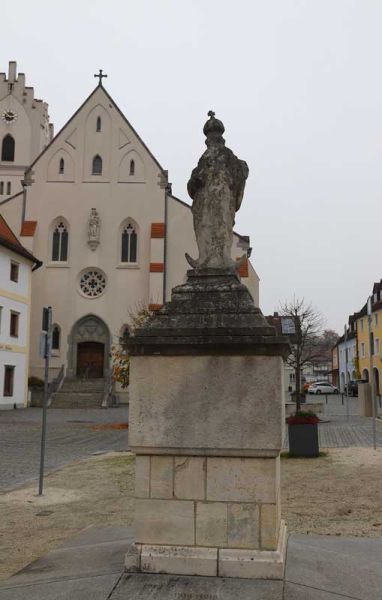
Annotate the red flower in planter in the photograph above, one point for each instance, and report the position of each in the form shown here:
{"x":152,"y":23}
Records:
{"x":303,"y":418}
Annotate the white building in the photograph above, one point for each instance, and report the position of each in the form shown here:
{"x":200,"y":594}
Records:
{"x":16,"y":265}
{"x":100,"y":213}
{"x":347,"y":355}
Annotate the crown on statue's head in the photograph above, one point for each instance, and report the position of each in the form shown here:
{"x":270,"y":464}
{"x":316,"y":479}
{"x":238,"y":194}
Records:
{"x":213,"y":125}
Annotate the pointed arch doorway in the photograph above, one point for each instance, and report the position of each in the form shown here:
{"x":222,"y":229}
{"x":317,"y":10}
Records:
{"x":89,"y":348}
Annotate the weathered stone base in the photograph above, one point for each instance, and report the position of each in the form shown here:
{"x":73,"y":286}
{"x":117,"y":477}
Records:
{"x":255,"y":564}
{"x":210,"y":562}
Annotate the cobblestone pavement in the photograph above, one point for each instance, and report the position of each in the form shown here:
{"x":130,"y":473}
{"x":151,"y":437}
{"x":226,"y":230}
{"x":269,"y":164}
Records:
{"x":346,"y":432}
{"x":70,"y":436}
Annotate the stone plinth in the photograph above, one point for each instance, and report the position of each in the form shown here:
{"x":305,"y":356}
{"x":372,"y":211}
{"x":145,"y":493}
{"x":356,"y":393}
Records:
{"x":206,"y":424}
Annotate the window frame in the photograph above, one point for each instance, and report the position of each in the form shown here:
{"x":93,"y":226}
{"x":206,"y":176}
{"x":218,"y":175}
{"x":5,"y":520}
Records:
{"x":9,"y":384}
{"x":14,"y":271}
{"x":55,"y":328}
{"x":60,"y":248}
{"x":97,"y":157}
{"x":4,"y":151}
{"x":123,"y":236}
{"x":14,"y":324}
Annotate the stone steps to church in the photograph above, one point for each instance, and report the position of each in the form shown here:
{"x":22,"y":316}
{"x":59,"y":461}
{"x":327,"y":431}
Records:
{"x":76,"y":400}
{"x":83,"y":385}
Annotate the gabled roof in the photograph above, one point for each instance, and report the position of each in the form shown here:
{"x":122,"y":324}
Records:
{"x":99,"y":86}
{"x":10,"y":241}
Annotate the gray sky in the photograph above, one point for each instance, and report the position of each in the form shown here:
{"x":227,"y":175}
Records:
{"x":298,"y":87}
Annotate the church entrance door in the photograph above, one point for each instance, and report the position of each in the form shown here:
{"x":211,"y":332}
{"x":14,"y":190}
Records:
{"x":90,"y":359}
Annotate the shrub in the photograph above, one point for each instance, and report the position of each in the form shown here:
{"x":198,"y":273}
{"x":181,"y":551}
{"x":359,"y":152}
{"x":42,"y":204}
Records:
{"x":303,"y":418}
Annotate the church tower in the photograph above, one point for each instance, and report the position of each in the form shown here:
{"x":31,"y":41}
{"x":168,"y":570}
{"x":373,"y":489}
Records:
{"x":24,"y":129}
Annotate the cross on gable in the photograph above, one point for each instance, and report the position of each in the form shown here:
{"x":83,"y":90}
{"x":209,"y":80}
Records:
{"x":100,"y":76}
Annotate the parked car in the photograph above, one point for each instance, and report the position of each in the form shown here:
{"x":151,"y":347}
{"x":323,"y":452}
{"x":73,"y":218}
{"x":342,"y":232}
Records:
{"x":322,"y":387}
{"x":352,"y":386}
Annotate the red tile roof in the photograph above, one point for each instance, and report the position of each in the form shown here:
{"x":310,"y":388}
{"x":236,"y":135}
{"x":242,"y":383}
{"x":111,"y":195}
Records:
{"x":28,"y":228}
{"x":10,"y":241}
{"x":7,"y":233}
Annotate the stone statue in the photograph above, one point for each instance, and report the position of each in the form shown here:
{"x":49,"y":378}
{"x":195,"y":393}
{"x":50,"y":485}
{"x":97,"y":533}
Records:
{"x":216,"y":187}
{"x":94,"y":229}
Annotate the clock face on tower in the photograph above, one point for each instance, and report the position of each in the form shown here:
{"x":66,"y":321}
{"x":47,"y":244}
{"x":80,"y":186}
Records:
{"x":8,"y":116}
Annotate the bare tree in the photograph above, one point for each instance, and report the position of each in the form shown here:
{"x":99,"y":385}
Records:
{"x":305,"y":340}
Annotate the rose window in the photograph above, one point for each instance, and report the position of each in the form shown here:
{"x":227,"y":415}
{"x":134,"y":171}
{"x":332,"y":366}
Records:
{"x":92,"y":283}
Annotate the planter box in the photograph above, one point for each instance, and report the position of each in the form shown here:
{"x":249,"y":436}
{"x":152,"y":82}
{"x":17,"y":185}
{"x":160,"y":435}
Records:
{"x":303,"y":440}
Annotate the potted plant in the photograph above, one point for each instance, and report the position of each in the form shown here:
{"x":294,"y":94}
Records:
{"x":303,"y":434}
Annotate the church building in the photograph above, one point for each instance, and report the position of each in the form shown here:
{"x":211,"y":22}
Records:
{"x":95,"y":205}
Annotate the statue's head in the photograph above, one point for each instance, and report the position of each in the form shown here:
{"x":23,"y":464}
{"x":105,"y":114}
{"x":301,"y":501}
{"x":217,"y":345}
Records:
{"x":213,"y":130}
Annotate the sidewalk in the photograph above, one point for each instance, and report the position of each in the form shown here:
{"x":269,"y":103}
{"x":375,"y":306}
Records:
{"x":90,"y":567}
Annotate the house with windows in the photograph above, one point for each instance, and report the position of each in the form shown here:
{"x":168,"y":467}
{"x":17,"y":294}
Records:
{"x":346,"y":348}
{"x":98,"y":209}
{"x":16,"y":266}
{"x":369,"y":338}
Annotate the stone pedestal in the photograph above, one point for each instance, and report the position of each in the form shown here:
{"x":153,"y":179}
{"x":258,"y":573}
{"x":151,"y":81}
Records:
{"x":206,"y":424}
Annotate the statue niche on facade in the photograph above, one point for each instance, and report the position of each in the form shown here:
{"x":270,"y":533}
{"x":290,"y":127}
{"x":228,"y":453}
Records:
{"x":216,"y":187}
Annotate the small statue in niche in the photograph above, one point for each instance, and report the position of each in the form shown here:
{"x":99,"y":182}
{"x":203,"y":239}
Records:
{"x":94,"y":229}
{"x":216,"y":187}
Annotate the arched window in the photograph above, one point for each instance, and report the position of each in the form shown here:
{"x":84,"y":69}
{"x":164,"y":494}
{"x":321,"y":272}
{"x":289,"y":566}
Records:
{"x":61,"y":168}
{"x":98,"y":126}
{"x":129,"y":244}
{"x":8,"y":148}
{"x":9,"y":187}
{"x":60,"y":243}
{"x":97,"y":165}
{"x":132,"y":167}
{"x":56,"y":334}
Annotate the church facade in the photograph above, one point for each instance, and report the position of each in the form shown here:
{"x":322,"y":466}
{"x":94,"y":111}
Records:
{"x":96,"y":207}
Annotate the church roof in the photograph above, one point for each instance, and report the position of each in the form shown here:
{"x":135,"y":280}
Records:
{"x":10,"y":241}
{"x":76,"y":113}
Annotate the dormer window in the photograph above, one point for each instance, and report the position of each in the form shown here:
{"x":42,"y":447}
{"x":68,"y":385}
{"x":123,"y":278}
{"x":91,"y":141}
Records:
{"x":132,"y":167}
{"x":98,"y":126}
{"x":61,"y":168}
{"x":97,"y":165}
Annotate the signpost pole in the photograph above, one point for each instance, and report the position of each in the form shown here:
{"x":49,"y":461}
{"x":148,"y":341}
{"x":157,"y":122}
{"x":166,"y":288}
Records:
{"x":47,"y":329}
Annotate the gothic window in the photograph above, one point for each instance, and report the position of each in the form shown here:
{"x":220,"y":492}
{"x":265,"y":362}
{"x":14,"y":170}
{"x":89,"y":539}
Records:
{"x":8,"y":148}
{"x":98,"y":126}
{"x":56,"y":334}
{"x":61,"y":168}
{"x":129,"y":244}
{"x":60,"y":243}
{"x":9,"y":187}
{"x":97,"y":165}
{"x":132,"y":167}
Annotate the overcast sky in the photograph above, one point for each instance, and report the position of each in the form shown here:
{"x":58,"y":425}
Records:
{"x":298,"y":86}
